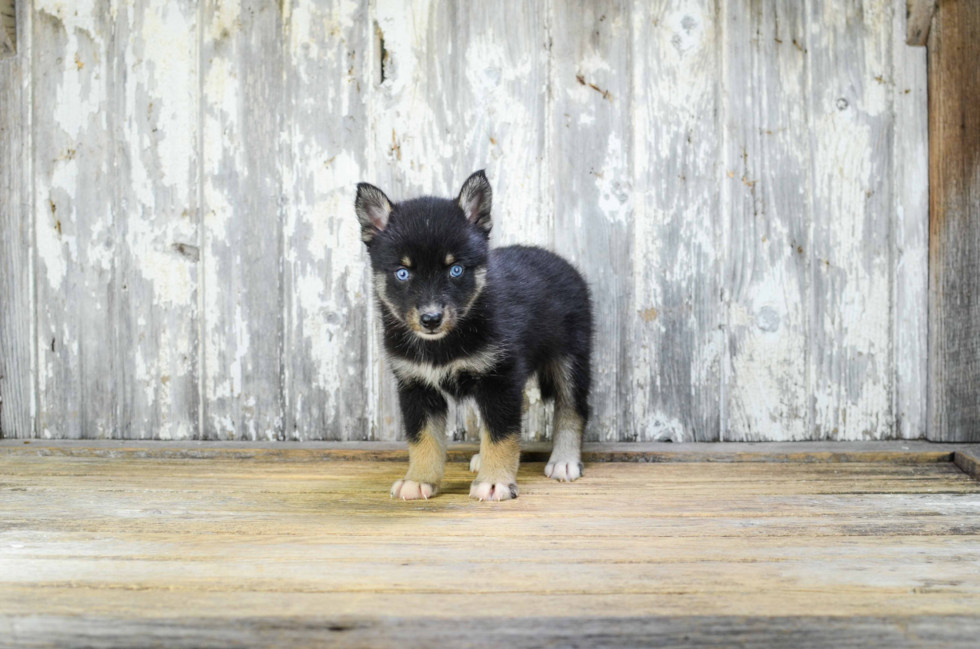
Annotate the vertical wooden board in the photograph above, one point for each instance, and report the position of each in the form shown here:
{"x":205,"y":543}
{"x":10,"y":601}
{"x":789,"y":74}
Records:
{"x":592,"y":194}
{"x":327,"y":50}
{"x":502,"y":105}
{"x":910,"y":258}
{"x":501,"y":120}
{"x":17,"y":341}
{"x":241,"y":60}
{"x":675,"y":340}
{"x":851,"y":369}
{"x":415,"y":138}
{"x":954,"y":223}
{"x":766,"y":205}
{"x":156,"y":103}
{"x":73,"y":211}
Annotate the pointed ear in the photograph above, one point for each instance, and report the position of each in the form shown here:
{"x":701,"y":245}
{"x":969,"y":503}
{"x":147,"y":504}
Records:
{"x":476,"y":199}
{"x":373,"y":209}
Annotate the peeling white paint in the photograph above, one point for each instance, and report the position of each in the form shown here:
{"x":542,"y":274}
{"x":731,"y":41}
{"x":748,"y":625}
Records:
{"x":487,"y":95}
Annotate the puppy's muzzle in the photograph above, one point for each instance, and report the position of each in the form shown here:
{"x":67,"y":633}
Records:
{"x":431,"y":321}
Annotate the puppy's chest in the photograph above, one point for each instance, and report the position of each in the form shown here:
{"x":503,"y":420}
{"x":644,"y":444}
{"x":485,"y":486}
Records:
{"x":456,"y":379}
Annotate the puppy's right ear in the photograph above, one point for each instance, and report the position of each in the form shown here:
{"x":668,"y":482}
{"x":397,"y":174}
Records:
{"x":373,"y":209}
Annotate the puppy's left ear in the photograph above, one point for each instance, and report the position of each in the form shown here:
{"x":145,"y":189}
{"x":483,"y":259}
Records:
{"x":476,"y":199}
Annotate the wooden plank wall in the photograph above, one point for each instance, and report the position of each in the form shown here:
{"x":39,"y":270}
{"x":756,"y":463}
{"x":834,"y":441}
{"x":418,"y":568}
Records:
{"x":743,"y":182}
{"x":954,"y":244}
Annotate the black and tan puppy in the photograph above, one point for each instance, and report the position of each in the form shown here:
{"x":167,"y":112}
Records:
{"x":463,"y":321}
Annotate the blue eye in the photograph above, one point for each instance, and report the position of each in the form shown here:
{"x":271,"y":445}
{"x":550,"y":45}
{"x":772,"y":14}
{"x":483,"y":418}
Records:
{"x":456,"y":271}
{"x":402,"y":274}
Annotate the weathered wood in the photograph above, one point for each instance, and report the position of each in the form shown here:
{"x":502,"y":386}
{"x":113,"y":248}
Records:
{"x":292,"y":543}
{"x":910,"y":239}
{"x":676,"y":344}
{"x":968,"y":460}
{"x":242,"y":105}
{"x":327,"y":370}
{"x":590,"y":120}
{"x":780,"y":452}
{"x":205,"y":281}
{"x":792,"y":632}
{"x":954,"y":223}
{"x":919,"y":15}
{"x":767,"y":206}
{"x":850,"y":362}
{"x":75,"y":227}
{"x":17,"y":358}
{"x":155,"y":104}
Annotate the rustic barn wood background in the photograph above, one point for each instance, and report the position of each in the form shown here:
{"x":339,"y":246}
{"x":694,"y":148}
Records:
{"x":744,"y":182}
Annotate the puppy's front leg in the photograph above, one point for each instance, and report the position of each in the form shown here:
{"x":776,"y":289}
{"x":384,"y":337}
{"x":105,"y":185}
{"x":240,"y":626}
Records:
{"x":424,"y":414}
{"x":500,"y":442}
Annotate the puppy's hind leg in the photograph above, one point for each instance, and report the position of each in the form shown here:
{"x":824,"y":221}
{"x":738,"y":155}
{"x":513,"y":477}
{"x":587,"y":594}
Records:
{"x":565,"y":463}
{"x":571,"y":413}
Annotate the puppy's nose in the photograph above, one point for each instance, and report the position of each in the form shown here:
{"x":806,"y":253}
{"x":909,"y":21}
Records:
{"x":431,"y":320}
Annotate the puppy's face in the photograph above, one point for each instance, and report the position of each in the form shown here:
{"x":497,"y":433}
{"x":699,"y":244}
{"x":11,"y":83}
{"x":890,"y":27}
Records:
{"x":428,"y":255}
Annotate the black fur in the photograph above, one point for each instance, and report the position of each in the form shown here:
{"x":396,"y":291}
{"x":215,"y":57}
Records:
{"x":533,"y":309}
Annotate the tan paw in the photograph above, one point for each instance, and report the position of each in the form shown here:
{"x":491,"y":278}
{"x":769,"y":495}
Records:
{"x":493,"y":491}
{"x":475,"y":463}
{"x":411,"y":490}
{"x":564,"y":471}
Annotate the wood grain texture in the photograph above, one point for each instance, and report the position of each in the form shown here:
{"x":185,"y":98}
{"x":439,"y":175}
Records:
{"x":17,"y":357}
{"x":910,"y":238}
{"x":767,"y":209}
{"x":969,"y":461}
{"x":74,"y":191}
{"x":328,"y":51}
{"x":905,"y":452}
{"x":590,"y":121}
{"x":301,"y":543}
{"x":155,"y":104}
{"x":851,"y":373}
{"x":742,"y":182}
{"x":813,"y":632}
{"x":919,"y":16}
{"x":676,"y":345}
{"x":954,"y":223}
{"x":242,"y":105}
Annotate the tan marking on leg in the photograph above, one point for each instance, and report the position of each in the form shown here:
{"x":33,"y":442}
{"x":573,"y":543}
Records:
{"x":426,"y":463}
{"x":497,"y":477}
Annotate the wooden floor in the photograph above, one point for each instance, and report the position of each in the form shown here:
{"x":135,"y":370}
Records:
{"x":111,"y":549}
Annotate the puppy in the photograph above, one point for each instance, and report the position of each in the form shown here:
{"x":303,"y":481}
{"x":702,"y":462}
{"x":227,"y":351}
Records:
{"x":462,"y":321}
